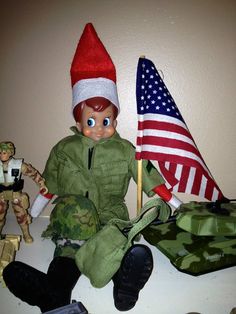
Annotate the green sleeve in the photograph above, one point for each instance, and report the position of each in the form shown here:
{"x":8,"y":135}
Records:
{"x":151,"y":177}
{"x":51,"y":172}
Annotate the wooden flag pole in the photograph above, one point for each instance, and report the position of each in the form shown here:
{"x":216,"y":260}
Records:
{"x":139,"y":183}
{"x":139,"y":187}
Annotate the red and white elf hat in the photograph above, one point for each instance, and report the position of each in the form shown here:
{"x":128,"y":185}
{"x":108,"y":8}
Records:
{"x":93,"y":73}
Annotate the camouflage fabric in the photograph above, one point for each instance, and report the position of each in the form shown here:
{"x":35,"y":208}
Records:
{"x":192,"y":254}
{"x":67,"y":250}
{"x":208,"y":218}
{"x":7,"y":147}
{"x":73,"y":217}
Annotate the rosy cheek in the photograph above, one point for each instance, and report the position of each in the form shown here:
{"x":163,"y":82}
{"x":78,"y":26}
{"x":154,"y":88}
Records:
{"x":87,"y":132}
{"x":110,"y":131}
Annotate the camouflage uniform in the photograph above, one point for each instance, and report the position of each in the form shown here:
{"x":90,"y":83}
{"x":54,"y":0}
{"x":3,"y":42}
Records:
{"x":100,"y":171}
{"x":11,"y":186}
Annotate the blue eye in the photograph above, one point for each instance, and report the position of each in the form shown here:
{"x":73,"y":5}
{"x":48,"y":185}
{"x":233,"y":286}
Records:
{"x":106,"y":122}
{"x":91,"y":122}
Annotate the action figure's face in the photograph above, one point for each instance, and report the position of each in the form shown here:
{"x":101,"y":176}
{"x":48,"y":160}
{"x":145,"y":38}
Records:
{"x":97,"y":125}
{"x":5,"y":155}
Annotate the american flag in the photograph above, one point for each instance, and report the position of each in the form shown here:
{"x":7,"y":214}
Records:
{"x":163,"y":136}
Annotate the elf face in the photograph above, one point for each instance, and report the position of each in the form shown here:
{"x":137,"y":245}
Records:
{"x":97,"y":124}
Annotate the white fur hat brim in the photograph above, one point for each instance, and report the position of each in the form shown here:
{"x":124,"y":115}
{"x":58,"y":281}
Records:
{"x":95,"y":87}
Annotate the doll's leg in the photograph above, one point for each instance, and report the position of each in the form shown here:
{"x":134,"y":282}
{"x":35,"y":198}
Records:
{"x":32,"y":286}
{"x":47,"y":291}
{"x":3,"y":212}
{"x":63,"y":271}
{"x":135,"y":270}
{"x":20,"y":204}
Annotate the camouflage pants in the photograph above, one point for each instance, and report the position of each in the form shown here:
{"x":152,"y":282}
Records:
{"x":20,"y":204}
{"x":66,"y":247}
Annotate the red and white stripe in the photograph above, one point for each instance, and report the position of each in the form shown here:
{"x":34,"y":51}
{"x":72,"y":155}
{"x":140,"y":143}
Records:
{"x":168,"y":141}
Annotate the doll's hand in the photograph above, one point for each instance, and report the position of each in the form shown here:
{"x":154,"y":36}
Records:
{"x":168,"y":197}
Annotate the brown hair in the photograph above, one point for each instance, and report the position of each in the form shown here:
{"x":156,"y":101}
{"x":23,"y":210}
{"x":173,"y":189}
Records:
{"x":97,"y":103}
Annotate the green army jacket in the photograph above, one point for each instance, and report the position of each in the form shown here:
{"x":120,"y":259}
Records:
{"x":99,"y":170}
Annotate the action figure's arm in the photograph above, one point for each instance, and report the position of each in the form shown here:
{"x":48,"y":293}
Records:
{"x":29,"y":171}
{"x":43,"y":197}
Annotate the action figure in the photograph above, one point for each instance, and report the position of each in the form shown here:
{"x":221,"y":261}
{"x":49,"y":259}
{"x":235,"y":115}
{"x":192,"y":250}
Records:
{"x":95,"y":166}
{"x":11,"y":186}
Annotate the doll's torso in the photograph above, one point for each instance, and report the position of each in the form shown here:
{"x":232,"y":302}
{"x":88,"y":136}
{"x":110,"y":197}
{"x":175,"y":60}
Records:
{"x":100,"y":171}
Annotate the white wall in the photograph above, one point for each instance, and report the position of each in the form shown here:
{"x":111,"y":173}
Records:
{"x":191,"y":41}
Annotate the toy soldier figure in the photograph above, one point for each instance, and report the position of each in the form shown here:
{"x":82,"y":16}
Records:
{"x":11,"y":186}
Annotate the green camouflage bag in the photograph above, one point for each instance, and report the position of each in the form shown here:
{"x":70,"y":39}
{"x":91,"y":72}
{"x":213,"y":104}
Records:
{"x":73,"y":217}
{"x":208,"y":218}
{"x":189,"y":253}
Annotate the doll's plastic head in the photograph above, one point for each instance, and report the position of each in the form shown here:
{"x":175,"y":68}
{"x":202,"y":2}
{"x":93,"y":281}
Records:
{"x":7,"y":150}
{"x":96,"y":118}
{"x":97,"y":103}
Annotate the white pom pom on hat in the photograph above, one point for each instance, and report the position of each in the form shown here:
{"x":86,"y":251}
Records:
{"x":93,"y":73}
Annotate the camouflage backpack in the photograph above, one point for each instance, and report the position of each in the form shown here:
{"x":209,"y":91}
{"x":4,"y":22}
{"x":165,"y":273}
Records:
{"x":190,"y":252}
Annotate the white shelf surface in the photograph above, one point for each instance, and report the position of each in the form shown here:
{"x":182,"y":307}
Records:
{"x":168,"y":291}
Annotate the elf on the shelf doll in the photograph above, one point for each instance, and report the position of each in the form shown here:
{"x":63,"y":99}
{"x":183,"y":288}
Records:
{"x":97,"y":164}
